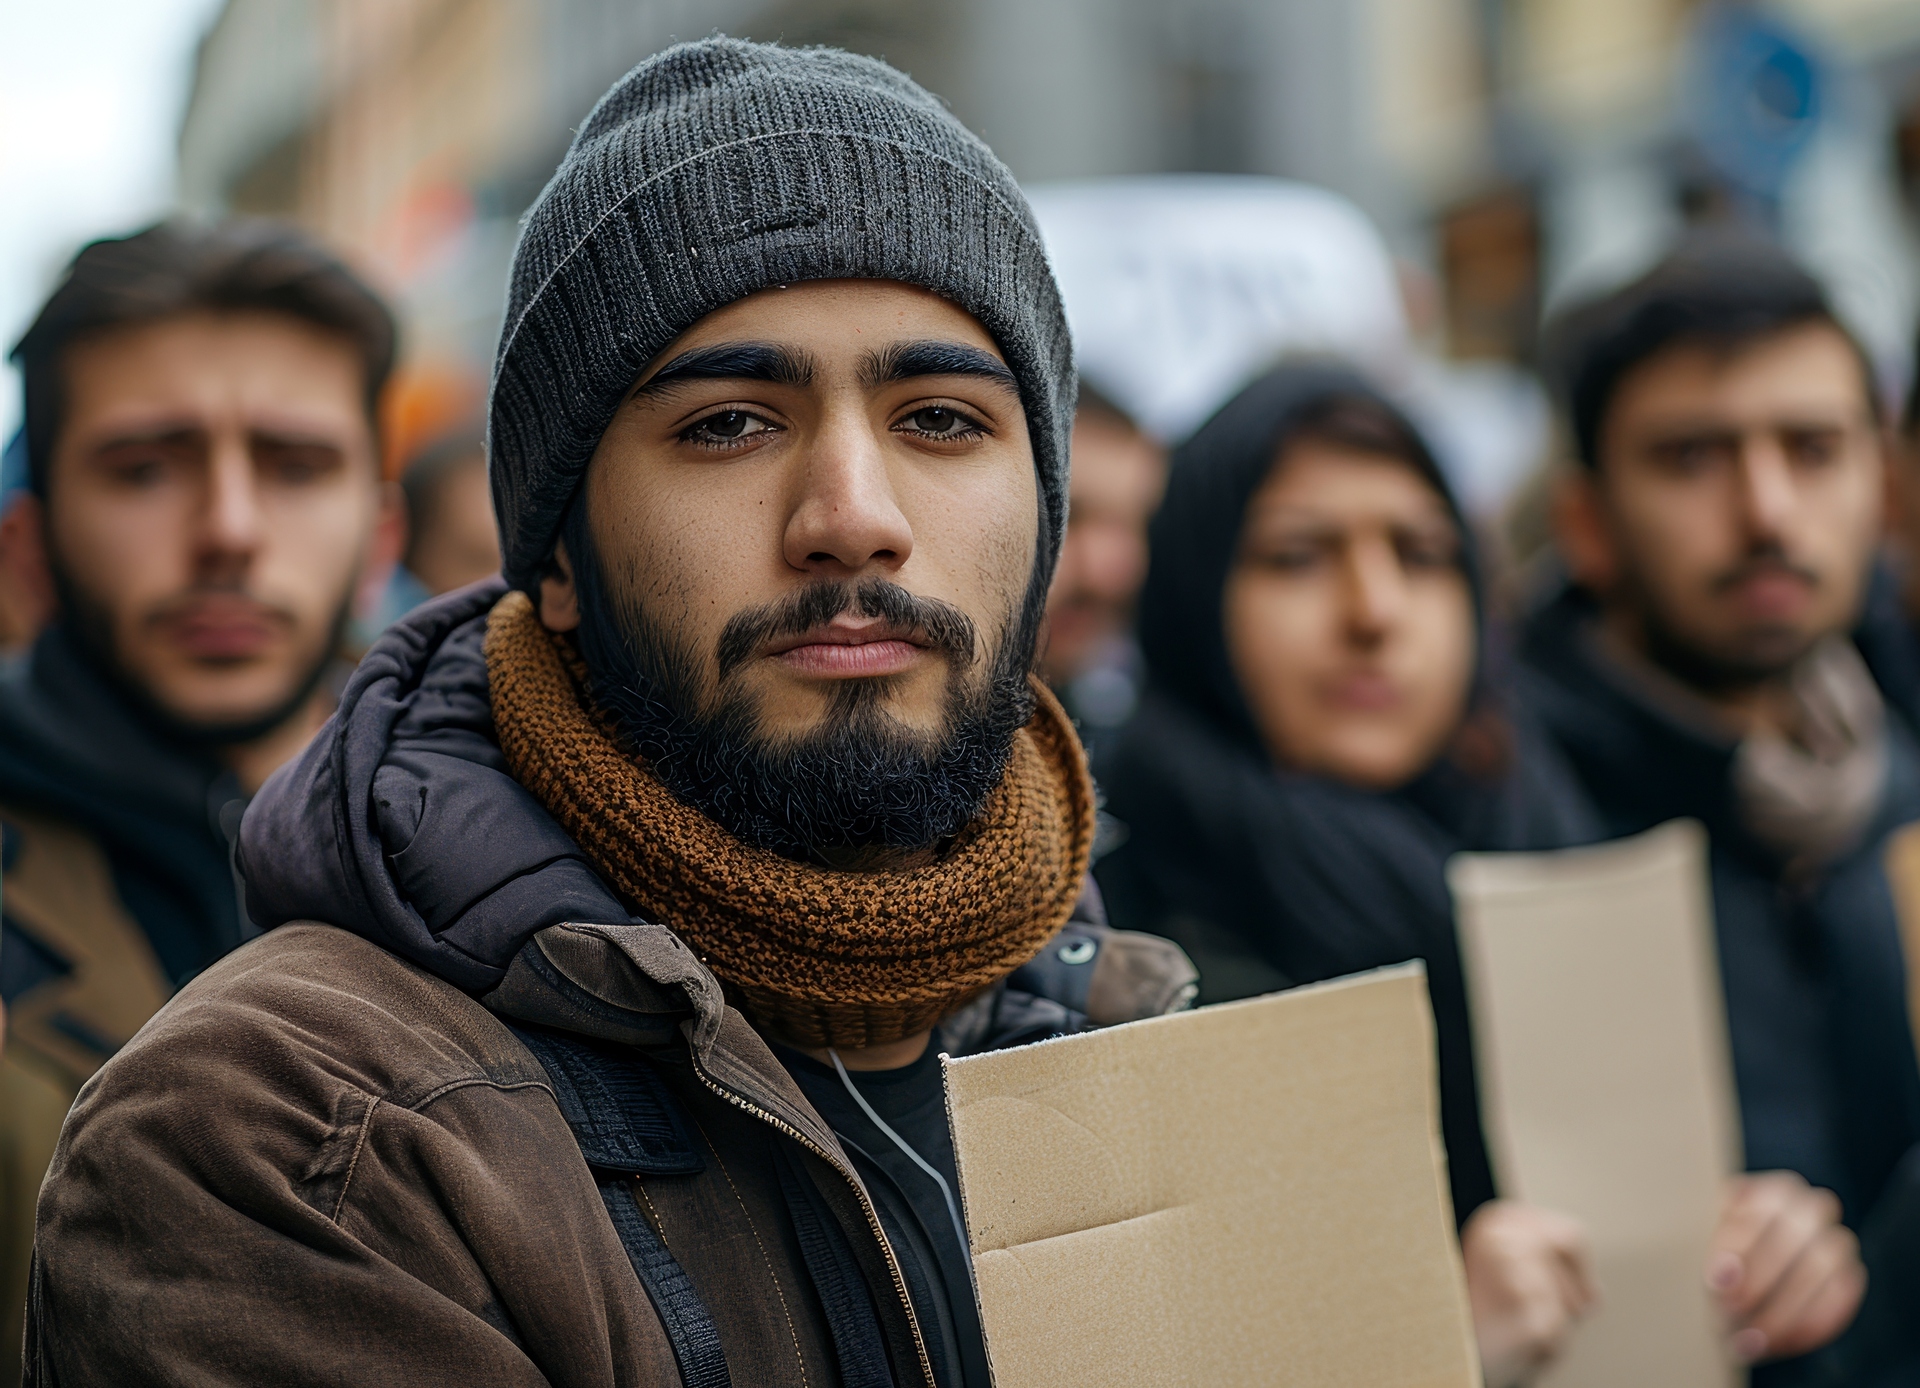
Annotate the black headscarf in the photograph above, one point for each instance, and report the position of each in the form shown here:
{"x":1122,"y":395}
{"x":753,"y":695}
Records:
{"x":1268,"y":876}
{"x":1196,"y":534}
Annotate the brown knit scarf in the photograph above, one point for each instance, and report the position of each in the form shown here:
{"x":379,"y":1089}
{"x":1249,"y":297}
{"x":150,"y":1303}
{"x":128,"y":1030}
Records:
{"x":819,"y":957}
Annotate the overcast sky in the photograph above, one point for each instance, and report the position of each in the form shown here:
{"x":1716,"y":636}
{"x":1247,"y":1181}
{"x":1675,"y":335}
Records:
{"x":90,"y":99}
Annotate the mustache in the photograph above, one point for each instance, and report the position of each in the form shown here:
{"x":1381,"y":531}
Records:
{"x":1768,"y":559}
{"x":942,"y":626}
{"x":183,"y":603}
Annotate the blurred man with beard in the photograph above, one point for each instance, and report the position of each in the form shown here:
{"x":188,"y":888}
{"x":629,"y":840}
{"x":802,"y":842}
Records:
{"x":1719,"y":537}
{"x":611,"y":920}
{"x":451,"y":536}
{"x":206,"y":489}
{"x":1119,"y":472}
{"x":1889,"y":630}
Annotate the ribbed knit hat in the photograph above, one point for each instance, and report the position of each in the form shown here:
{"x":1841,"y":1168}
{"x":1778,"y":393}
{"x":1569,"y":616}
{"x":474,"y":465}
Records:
{"x":721,"y":168}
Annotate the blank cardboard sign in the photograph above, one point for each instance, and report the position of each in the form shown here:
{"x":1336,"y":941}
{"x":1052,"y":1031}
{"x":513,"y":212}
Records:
{"x":1902,"y":858}
{"x":1247,"y":1194}
{"x":1601,"y":1039}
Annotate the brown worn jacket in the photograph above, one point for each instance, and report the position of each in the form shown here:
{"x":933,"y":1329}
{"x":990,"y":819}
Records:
{"x":323,"y":1165}
{"x":483,"y":1127}
{"x":59,"y":893}
{"x":118,"y":885}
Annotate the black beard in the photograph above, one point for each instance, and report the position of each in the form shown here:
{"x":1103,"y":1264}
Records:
{"x":860,"y":780}
{"x":1711,"y":673}
{"x":90,"y":626}
{"x":1769,"y":654}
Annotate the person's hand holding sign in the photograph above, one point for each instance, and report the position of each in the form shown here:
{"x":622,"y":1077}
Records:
{"x":1785,"y":1270}
{"x":1529,"y":1282}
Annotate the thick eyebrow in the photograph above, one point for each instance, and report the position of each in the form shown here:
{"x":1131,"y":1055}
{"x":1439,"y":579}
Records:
{"x":1721,"y":430}
{"x":730,"y":361}
{"x":164,"y":434}
{"x":902,"y":361}
{"x":1682,"y":435}
{"x":177,"y":435}
{"x":293,"y":438}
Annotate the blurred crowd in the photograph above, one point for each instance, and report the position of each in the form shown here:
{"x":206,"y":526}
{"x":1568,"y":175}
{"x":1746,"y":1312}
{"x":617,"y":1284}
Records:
{"x":1306,"y":669}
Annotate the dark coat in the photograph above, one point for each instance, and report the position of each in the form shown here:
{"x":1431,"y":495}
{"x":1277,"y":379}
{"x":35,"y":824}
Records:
{"x":1270,"y":878}
{"x":117,"y":889}
{"x":482,"y":1127}
{"x":1812,"y":968}
{"x":75,"y":748}
{"x":1889,"y":641}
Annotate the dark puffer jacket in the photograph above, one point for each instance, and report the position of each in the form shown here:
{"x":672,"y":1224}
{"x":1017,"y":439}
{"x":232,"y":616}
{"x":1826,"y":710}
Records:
{"x":481,"y":1126}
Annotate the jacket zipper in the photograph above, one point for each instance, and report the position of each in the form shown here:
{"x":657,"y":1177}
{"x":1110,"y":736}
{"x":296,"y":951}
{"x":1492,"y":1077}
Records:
{"x":866,"y":1206}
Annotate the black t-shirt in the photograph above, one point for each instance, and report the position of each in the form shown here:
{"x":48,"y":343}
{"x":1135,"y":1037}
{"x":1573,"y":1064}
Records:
{"x":912,"y":1209}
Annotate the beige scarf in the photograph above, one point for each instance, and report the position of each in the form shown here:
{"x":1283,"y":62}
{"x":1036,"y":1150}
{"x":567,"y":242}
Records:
{"x":1808,"y":795}
{"x":819,"y":957}
{"x":1811,"y":796}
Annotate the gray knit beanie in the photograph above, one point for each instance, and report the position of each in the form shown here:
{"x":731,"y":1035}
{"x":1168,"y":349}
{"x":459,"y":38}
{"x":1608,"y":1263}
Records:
{"x":721,"y":168}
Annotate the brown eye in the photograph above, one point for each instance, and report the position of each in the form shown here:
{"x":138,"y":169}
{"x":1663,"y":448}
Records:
{"x":940,"y":422}
{"x":1428,"y":551}
{"x":140,"y":472}
{"x":1695,"y":456}
{"x":1293,"y":558}
{"x":1814,"y":448}
{"x":299,"y":465}
{"x":140,"y":469}
{"x":1288,"y":553}
{"x":726,"y":427}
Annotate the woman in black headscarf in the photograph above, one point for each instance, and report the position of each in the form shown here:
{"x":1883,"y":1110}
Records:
{"x":1319,"y":734}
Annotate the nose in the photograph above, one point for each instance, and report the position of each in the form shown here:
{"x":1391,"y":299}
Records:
{"x":1376,"y":589}
{"x":1767,"y":495}
{"x":230,"y":521}
{"x":846,"y":520}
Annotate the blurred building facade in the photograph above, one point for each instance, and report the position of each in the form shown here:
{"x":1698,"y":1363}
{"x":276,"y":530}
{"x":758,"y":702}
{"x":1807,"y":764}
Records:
{"x":1516,"y":149}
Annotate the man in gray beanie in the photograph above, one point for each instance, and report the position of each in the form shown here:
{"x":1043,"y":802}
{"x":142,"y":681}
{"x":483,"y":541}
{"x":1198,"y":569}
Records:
{"x":616,"y":921}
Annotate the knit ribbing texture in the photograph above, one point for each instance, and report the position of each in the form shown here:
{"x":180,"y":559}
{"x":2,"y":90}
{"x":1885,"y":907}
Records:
{"x":721,"y":168}
{"x":817,"y":957}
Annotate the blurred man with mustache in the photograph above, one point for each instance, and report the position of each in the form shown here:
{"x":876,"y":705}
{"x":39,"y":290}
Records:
{"x":1719,"y":537}
{"x":206,"y":489}
{"x":1889,"y":630}
{"x":1091,"y":659}
{"x":451,"y":537}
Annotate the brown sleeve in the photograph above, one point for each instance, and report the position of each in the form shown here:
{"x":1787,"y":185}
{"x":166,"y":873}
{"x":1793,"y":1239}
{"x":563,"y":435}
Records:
{"x":224,"y":1209}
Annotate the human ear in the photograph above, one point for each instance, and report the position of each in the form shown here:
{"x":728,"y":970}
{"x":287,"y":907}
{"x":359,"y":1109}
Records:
{"x":1899,"y":453}
{"x":559,"y":599}
{"x":1583,"y":533}
{"x":27,"y":600}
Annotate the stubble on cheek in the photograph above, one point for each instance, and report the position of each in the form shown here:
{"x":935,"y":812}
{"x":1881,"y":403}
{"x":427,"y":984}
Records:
{"x":1004,"y":574}
{"x":656,"y":600}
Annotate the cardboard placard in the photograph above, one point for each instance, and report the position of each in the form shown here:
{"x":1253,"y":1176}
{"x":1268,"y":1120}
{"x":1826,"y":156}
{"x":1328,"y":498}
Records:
{"x":1902,"y":860}
{"x":1605,"y":1084}
{"x":1252,"y":1193}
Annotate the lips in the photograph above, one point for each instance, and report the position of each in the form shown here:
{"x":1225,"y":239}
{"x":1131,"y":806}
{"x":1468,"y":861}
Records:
{"x":1773,"y":593}
{"x":1363,"y":692}
{"x":843,"y":650}
{"x":223,"y":629}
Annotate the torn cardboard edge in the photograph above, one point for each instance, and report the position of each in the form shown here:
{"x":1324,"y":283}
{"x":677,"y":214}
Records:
{"x":1901,"y":858}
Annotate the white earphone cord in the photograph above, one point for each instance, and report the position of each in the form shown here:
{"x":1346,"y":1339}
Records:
{"x":946,"y":1193}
